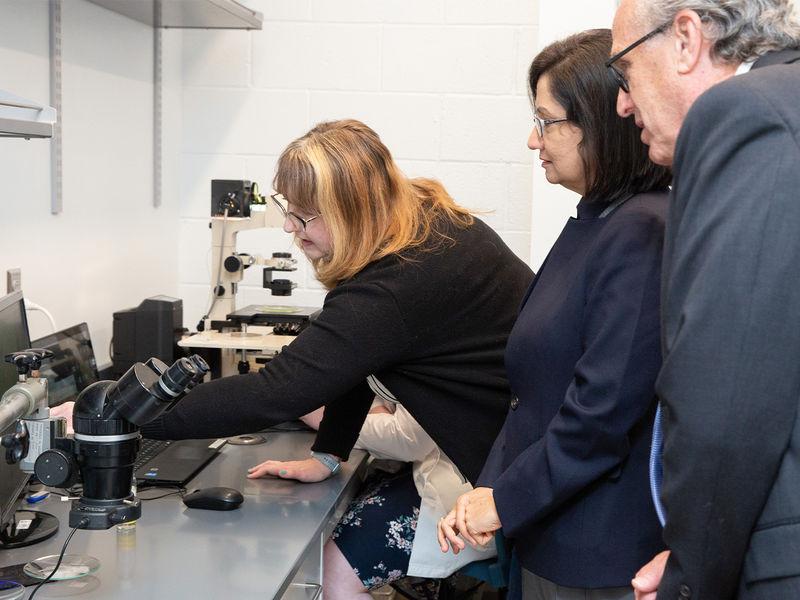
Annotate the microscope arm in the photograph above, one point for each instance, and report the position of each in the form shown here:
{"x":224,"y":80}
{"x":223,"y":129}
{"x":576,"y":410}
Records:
{"x":26,"y":405}
{"x":26,"y":398}
{"x":16,"y":403}
{"x":224,"y":231}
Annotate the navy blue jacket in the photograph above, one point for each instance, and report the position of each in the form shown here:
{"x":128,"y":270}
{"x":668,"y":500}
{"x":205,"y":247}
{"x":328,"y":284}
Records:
{"x":570,"y":468}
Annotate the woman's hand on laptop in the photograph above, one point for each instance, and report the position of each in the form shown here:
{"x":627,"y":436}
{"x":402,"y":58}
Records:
{"x":307,"y":471}
{"x":64,"y":410}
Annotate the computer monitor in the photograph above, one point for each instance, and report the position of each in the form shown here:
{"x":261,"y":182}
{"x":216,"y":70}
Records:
{"x":72,"y":366}
{"x":13,"y":337}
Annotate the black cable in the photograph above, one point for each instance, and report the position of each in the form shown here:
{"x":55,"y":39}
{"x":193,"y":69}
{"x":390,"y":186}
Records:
{"x":219,"y":270}
{"x":63,"y":495}
{"x":82,"y":523}
{"x":180,"y":491}
{"x":74,"y":490}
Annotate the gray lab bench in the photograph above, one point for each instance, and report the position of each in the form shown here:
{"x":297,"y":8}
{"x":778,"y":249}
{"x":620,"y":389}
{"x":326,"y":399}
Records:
{"x":268,"y":548}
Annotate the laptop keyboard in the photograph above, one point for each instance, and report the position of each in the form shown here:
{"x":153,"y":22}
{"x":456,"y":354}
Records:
{"x":148,"y":450}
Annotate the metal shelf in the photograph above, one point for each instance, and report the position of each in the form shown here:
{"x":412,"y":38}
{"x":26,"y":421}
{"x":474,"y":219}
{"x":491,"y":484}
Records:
{"x":187,"y":14}
{"x":24,"y":118}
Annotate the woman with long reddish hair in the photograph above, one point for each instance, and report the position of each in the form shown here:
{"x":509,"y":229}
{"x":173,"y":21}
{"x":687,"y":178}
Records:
{"x":422,"y":297}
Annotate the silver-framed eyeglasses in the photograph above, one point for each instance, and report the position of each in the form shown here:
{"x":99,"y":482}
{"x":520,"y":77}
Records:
{"x":298,"y":221}
{"x":616,"y":72}
{"x":542,"y":123}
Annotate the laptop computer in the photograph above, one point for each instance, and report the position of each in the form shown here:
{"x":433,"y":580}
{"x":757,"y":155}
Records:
{"x":72,"y":366}
{"x":173,"y":463}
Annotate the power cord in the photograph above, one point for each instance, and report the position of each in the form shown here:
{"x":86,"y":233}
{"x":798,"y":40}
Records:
{"x":63,"y":494}
{"x":83,"y":523}
{"x":201,"y":324}
{"x":180,"y":491}
{"x":30,"y":305}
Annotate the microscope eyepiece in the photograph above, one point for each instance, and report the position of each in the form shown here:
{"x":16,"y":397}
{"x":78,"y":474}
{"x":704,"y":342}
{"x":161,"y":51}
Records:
{"x":201,"y":366}
{"x":176,"y":378}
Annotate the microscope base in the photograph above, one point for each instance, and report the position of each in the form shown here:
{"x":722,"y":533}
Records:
{"x":41,"y":527}
{"x":104,"y":514}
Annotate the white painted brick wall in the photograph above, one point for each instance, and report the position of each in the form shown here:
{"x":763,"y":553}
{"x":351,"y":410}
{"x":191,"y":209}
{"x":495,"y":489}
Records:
{"x":385,"y":11}
{"x":221,"y":59}
{"x":448,"y":59}
{"x":442,"y":82}
{"x":327,"y":56}
{"x":109,"y":248}
{"x":409,"y":124}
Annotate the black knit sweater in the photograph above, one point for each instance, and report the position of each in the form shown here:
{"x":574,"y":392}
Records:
{"x":430,"y":324}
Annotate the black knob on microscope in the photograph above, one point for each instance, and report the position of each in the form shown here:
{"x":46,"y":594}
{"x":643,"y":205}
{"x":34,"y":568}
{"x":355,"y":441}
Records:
{"x":16,"y":443}
{"x":55,"y":468}
{"x":281,"y":255}
{"x":28,"y":360}
{"x":233,"y":264}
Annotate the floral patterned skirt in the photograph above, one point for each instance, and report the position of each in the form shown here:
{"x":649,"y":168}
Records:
{"x":377,"y":530}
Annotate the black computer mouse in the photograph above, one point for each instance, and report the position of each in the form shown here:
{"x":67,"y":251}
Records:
{"x":214,"y":498}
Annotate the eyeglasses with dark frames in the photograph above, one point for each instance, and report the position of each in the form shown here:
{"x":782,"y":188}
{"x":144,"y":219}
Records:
{"x":619,"y":76}
{"x":298,"y":221}
{"x":542,"y":123}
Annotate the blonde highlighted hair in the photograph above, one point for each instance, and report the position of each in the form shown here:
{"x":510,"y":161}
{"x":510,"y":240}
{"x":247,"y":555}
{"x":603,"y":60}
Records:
{"x":342,"y":171}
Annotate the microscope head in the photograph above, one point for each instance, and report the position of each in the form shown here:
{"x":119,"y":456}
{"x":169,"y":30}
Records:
{"x":106,"y":419}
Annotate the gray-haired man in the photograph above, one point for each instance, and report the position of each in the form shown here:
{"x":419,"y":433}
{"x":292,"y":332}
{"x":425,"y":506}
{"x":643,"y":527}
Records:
{"x":715,"y":86}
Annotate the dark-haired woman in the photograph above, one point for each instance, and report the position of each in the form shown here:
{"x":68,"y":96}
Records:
{"x":567,"y":479}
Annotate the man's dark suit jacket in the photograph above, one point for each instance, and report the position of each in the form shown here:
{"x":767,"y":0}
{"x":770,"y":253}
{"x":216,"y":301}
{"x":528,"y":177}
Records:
{"x":730,"y":383}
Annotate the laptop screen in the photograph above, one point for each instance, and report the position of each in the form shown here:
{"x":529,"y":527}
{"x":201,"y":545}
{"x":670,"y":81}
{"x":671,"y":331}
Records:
{"x":72,"y":366}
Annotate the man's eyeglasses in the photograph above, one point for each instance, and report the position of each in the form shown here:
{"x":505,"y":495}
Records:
{"x":618,"y":75}
{"x":296,"y":220}
{"x":542,"y":123}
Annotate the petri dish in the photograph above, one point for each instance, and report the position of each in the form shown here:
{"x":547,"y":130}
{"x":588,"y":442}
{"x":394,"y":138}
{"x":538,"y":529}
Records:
{"x":276,"y":310}
{"x":246,"y":440}
{"x":72,"y":566}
